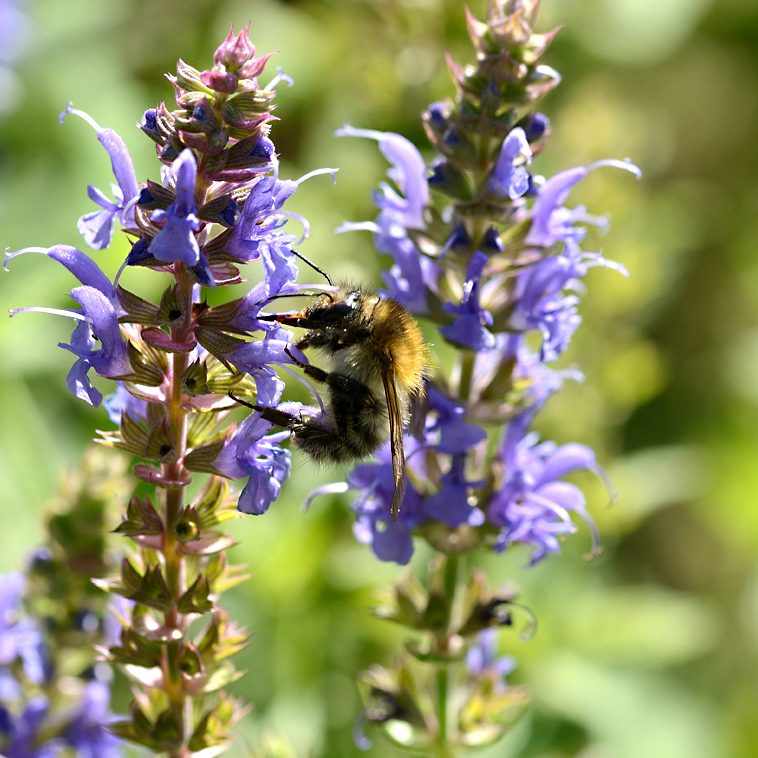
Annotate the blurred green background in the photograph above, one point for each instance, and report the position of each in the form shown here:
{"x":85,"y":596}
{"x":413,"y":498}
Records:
{"x":649,"y":650}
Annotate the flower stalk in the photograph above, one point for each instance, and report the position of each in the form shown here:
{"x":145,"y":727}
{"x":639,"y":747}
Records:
{"x":485,"y":250}
{"x":177,"y":363}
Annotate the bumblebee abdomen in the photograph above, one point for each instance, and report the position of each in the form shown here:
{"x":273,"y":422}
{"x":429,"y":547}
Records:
{"x":344,"y":434}
{"x":397,"y":335}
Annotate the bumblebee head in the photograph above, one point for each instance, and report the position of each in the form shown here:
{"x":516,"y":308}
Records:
{"x":346,"y":306}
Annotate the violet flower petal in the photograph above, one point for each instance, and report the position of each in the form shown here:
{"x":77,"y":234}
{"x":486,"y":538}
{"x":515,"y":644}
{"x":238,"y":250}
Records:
{"x":176,"y":241}
{"x":408,"y":171}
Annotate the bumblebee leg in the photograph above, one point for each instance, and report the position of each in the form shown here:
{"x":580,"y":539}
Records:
{"x":274,"y":415}
{"x":313,"y":371}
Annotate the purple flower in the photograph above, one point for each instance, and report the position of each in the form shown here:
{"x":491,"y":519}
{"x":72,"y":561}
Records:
{"x":97,"y":321}
{"x":482,"y":659}
{"x":247,"y":315}
{"x":547,"y":296}
{"x":20,"y":639}
{"x":122,"y":401}
{"x":408,"y":172}
{"x":536,"y":126}
{"x":411,"y":275}
{"x":533,"y":506}
{"x":544,"y":302}
{"x":448,"y":420}
{"x":254,"y":358}
{"x":257,"y":233}
{"x":88,"y":732}
{"x":23,"y":732}
{"x":470,"y":325}
{"x":97,"y":227}
{"x":450,"y":504}
{"x":176,"y":241}
{"x":551,"y":221}
{"x":390,"y":540}
{"x":509,"y":177}
{"x":100,"y":325}
{"x":253,"y":454}
{"x":77,"y":262}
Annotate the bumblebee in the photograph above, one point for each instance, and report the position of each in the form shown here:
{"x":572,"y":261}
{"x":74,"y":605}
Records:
{"x":377,"y":358}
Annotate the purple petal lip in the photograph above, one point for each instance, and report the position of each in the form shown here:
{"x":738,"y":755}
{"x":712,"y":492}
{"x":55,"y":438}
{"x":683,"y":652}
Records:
{"x":408,"y":172}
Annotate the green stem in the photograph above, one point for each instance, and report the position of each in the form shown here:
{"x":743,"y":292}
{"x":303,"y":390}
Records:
{"x":442,"y":748}
{"x":174,"y":502}
{"x":465,"y":374}
{"x":442,"y":643}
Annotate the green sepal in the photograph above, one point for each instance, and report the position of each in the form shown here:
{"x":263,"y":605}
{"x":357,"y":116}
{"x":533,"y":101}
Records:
{"x":215,"y":503}
{"x":188,"y":78}
{"x":161,"y":197}
{"x":222,"y":638}
{"x":187,"y":525}
{"x":393,"y":695}
{"x":141,"y":519}
{"x":248,"y":106}
{"x":201,"y":427}
{"x":220,"y":677}
{"x":457,"y":183}
{"x":225,"y":271}
{"x":501,"y":383}
{"x":209,"y":543}
{"x":167,"y":729}
{"x":424,"y":651}
{"x":161,"y":444}
{"x":213,"y":729}
{"x":207,"y":125}
{"x":489,"y":711}
{"x":222,"y":382}
{"x":154,"y":591}
{"x":136,"y":650}
{"x":190,"y":663}
{"x":221,"y":316}
{"x":212,"y":211}
{"x":241,"y":154}
{"x":130,"y":436}
{"x":156,"y":478}
{"x":195,"y":379}
{"x":196,"y":598}
{"x":149,"y":589}
{"x":404,"y":603}
{"x":223,"y":576}
{"x":138,"y":310}
{"x":149,"y":365}
{"x":203,"y":458}
{"x":215,"y":249}
{"x":164,"y":125}
{"x":217,"y":342}
{"x":137,"y":729}
{"x":170,"y":308}
{"x":196,"y":540}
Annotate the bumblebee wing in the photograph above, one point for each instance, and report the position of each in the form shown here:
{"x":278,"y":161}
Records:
{"x":395,"y":415}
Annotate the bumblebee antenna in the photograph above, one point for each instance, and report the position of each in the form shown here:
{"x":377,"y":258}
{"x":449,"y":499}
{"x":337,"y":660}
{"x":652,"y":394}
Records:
{"x":313,"y":266}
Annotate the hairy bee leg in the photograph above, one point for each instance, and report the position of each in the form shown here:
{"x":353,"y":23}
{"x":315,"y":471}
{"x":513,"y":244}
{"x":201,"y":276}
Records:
{"x":313,"y":371}
{"x":274,"y":415}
